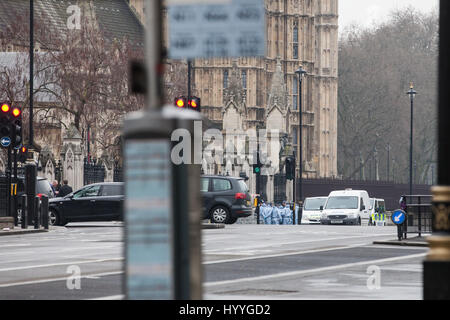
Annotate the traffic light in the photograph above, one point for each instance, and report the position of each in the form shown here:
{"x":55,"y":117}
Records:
{"x":16,"y":134}
{"x":290,"y":168}
{"x":181,"y":102}
{"x":195,"y":104}
{"x":258,"y":166}
{"x":5,"y":123}
{"x":23,"y":154}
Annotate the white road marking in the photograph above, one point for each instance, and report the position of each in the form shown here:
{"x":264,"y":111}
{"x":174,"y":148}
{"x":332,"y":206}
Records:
{"x":117,"y":297}
{"x":316,"y":270}
{"x":60,"y":264}
{"x":15,"y":245}
{"x":280,"y":244}
{"x":287,"y":254}
{"x":89,"y":276}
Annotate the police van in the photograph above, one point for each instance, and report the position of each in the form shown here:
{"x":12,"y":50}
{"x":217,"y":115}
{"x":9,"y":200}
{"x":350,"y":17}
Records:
{"x":346,"y":207}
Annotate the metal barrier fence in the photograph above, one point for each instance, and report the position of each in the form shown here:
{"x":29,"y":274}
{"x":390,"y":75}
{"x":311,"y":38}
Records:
{"x":93,"y":172}
{"x":4,"y":189}
{"x":419,"y":215}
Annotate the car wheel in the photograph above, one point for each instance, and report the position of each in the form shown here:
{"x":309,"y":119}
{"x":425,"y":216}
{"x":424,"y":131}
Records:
{"x":54,"y":219}
{"x":220,"y":214}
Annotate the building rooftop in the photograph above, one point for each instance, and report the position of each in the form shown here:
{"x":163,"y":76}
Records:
{"x":115,"y":17}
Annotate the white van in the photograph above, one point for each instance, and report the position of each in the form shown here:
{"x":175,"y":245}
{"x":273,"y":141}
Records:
{"x":346,"y":207}
{"x":311,"y":213}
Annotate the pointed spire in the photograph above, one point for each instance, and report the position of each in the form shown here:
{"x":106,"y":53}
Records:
{"x":235,"y":91}
{"x":278,"y":93}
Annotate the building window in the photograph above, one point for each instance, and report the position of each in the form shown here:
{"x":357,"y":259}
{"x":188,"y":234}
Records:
{"x":295,"y":43}
{"x":225,"y":79}
{"x":294,"y":93}
{"x":294,"y":136}
{"x":295,"y":35}
{"x":244,"y":79}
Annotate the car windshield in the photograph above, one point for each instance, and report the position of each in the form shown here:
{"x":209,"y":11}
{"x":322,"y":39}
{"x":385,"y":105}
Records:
{"x":372,"y":201}
{"x":342,"y":203}
{"x":314,"y":204}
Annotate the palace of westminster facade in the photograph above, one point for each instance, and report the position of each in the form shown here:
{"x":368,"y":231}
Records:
{"x":246,"y":93}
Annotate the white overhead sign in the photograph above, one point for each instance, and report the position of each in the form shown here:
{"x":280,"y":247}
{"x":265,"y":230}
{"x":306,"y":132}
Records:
{"x":218,"y":28}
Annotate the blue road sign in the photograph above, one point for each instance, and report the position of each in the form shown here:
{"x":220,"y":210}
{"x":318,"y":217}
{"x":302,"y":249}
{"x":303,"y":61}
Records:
{"x":398,"y":217}
{"x":5,"y":142}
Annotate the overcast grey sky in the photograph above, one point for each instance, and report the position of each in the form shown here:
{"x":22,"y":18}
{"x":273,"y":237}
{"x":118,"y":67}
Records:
{"x":365,"y":12}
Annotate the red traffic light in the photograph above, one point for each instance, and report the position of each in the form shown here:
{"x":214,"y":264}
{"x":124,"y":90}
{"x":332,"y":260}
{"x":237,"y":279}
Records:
{"x":5,"y":108}
{"x":194,"y":103}
{"x":16,"y":112}
{"x":181,"y":102}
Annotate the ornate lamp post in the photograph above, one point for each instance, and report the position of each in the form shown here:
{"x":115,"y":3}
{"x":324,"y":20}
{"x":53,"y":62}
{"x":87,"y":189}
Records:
{"x":300,"y":72}
{"x":412,"y":93}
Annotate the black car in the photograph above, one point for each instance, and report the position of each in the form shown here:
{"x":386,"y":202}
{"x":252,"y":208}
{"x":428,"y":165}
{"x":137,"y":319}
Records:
{"x":94,"y":202}
{"x":225,"y":199}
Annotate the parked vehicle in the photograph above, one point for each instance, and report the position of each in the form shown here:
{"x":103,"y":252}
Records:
{"x":377,"y":206}
{"x":43,"y":187}
{"x":94,"y":202}
{"x":225,"y":199}
{"x":311,"y":213}
{"x":346,"y":207}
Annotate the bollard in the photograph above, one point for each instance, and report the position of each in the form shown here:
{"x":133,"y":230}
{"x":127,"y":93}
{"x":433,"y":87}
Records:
{"x":14,"y":209}
{"x":44,"y":211}
{"x":36,"y":212}
{"x":24,"y":215}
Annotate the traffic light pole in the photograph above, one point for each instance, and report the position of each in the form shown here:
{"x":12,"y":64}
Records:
{"x":294,"y":193}
{"x":30,"y":168}
{"x":8,"y":179}
{"x":16,"y":181}
{"x":189,"y":66}
{"x":258,"y":192}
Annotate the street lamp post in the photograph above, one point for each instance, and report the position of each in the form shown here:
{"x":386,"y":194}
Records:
{"x":412,"y":93}
{"x":300,"y":73}
{"x":388,"y":148}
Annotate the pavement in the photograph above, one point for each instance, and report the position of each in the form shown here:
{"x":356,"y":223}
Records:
{"x":18,"y":231}
{"x":240,"y":262}
{"x":410,"y":242}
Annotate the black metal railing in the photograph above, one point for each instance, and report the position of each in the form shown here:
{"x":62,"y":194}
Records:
{"x":118,"y":173}
{"x":418,"y":215}
{"x":279,"y":184}
{"x":4,"y":196}
{"x":93,"y":172}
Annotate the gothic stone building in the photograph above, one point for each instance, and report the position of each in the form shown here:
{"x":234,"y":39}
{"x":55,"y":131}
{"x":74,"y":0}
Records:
{"x":247,"y":93}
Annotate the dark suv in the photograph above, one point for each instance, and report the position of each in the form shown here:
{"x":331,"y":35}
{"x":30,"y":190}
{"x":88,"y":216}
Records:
{"x":225,"y":199}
